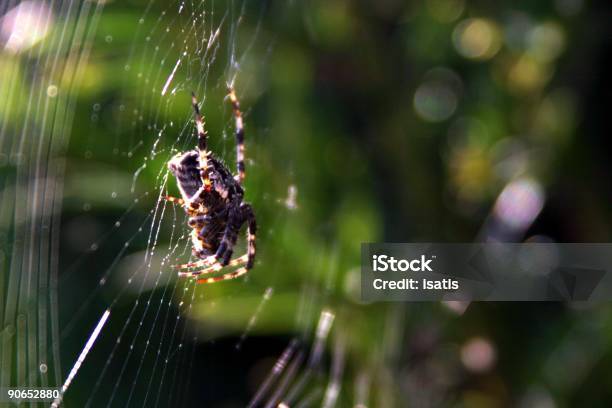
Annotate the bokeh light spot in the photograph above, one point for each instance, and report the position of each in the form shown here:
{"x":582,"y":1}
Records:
{"x":52,"y":91}
{"x":436,"y":99}
{"x":519,"y":203}
{"x":477,"y":38}
{"x":527,"y":74}
{"x":478,"y":355}
{"x":546,"y":41}
{"x":25,"y":25}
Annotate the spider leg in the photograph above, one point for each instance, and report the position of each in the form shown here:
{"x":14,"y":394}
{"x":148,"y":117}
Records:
{"x":230,"y":275}
{"x":202,"y":143}
{"x":249,"y":215}
{"x":206,"y":262}
{"x":190,"y":206}
{"x":216,"y":267}
{"x":239,"y":135}
{"x":199,"y":221}
{"x":230,"y":236}
{"x":176,"y":200}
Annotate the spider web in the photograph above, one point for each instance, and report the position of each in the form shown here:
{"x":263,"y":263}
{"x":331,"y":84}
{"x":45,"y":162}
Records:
{"x":68,"y":267}
{"x":95,"y":99}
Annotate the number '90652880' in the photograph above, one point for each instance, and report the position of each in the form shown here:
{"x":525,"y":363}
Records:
{"x":39,"y":394}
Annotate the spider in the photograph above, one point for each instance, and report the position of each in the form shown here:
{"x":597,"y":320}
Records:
{"x":213,"y":200}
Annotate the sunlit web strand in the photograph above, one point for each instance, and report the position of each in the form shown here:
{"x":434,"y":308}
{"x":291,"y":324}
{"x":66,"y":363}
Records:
{"x":151,"y":331}
{"x":161,"y":303}
{"x":151,"y":245}
{"x":168,"y":355}
{"x":182,"y":340}
{"x":77,"y":365}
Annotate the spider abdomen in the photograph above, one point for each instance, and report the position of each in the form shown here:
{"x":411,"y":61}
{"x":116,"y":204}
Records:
{"x":185,"y":167}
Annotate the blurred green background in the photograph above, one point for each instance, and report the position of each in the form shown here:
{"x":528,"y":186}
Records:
{"x":366,"y":121}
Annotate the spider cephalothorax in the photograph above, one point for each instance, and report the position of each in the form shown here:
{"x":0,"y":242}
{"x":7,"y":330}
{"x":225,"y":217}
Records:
{"x":212,"y":198}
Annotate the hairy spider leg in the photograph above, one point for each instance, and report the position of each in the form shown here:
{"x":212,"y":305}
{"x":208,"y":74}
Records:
{"x":239,"y":135}
{"x":202,"y":143}
{"x":189,"y":205}
{"x":230,"y":236}
{"x":198,"y":221}
{"x":249,"y":215}
{"x":216,"y":267}
{"x":231,"y":275}
{"x":210,"y":260}
{"x":176,"y":200}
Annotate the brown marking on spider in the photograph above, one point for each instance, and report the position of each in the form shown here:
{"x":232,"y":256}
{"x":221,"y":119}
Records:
{"x":213,"y":199}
